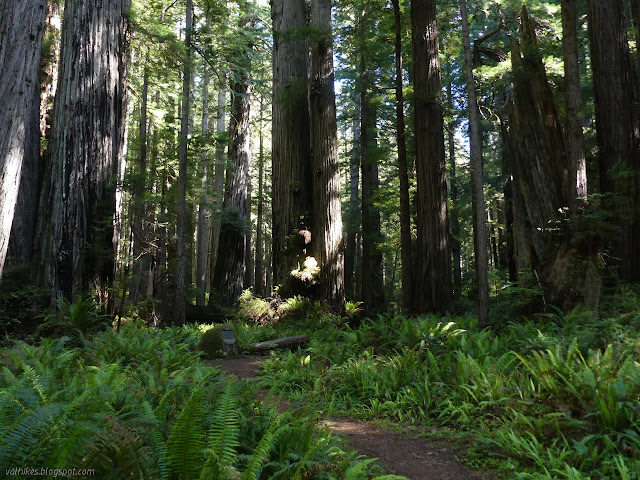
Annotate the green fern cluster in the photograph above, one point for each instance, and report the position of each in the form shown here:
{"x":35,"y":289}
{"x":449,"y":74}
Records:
{"x":553,"y":408}
{"x":141,"y":404}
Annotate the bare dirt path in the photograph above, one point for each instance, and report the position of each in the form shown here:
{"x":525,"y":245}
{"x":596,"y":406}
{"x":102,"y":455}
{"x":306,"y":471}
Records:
{"x":413,"y":457}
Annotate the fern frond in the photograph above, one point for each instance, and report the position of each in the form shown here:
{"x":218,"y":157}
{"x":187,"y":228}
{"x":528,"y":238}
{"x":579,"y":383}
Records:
{"x":262,"y":450}
{"x":159,"y":451}
{"x":223,"y":436}
{"x":225,"y":427}
{"x":187,"y":439}
{"x":18,"y":440}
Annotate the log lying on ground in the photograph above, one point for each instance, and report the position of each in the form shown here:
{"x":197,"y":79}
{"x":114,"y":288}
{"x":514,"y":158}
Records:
{"x":281,"y":343}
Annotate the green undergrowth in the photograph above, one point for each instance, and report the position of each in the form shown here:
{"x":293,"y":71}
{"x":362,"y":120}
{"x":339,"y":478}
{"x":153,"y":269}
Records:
{"x":552,"y":397}
{"x":141,"y":403}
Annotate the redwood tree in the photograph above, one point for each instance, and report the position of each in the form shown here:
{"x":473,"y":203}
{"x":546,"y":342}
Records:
{"x":291,"y":156}
{"x":618,"y":131}
{"x":577,"y":166}
{"x":432,"y":268}
{"x":87,"y":143}
{"x":21,"y":29}
{"x":328,"y":246}
{"x":480,"y":214}
{"x":405,"y":205}
{"x":231,"y":266}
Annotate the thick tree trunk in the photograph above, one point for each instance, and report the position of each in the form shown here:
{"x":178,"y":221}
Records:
{"x":218,"y":187}
{"x":203,"y":207}
{"x":327,"y":240}
{"x":230,"y":270}
{"x":291,"y":157}
{"x":577,"y":166}
{"x":432,"y":268}
{"x":405,"y":206}
{"x":544,"y":246}
{"x":353,"y":210}
{"x":21,"y":29}
{"x":480,"y":217}
{"x":618,"y":131}
{"x":77,"y":205}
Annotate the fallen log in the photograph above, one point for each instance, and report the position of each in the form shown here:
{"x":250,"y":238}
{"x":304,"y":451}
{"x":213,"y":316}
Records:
{"x":281,"y":343}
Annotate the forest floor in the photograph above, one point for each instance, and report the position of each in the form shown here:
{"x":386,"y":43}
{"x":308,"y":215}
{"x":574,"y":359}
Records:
{"x":408,"y":455}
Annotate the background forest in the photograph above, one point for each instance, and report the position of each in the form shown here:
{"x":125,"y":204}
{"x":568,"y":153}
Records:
{"x":445,"y":194}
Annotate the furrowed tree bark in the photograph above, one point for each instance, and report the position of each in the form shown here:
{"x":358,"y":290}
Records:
{"x":405,"y":206}
{"x":545,"y":245}
{"x":25,"y":219}
{"x":577,"y":166}
{"x":203,"y":206}
{"x":21,"y":30}
{"x":618,"y":129}
{"x":77,"y":204}
{"x":327,"y":240}
{"x":291,"y":157}
{"x":480,"y":217}
{"x":231,"y":267}
{"x":181,"y":219}
{"x":432,"y":273}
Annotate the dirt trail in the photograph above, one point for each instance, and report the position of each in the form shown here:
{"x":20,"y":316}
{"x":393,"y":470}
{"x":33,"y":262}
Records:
{"x":412,"y":457}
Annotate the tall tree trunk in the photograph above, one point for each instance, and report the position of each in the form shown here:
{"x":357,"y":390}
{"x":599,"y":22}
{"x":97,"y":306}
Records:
{"x":291,"y":157}
{"x":617,"y":127}
{"x":203,"y":209}
{"x":327,"y":240}
{"x":248,"y":253}
{"x":181,"y":220}
{"x":353,"y":217}
{"x":480,"y":217}
{"x":432,"y":273}
{"x":260,"y":280}
{"x":405,"y":206}
{"x":455,"y":216}
{"x":550,"y":255}
{"x":231,"y":268}
{"x":21,"y":29}
{"x":77,"y":205}
{"x":25,"y":219}
{"x":506,"y":162}
{"x":577,"y":183}
{"x":372,"y":260}
{"x":141,"y":254}
{"x":218,"y":186}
